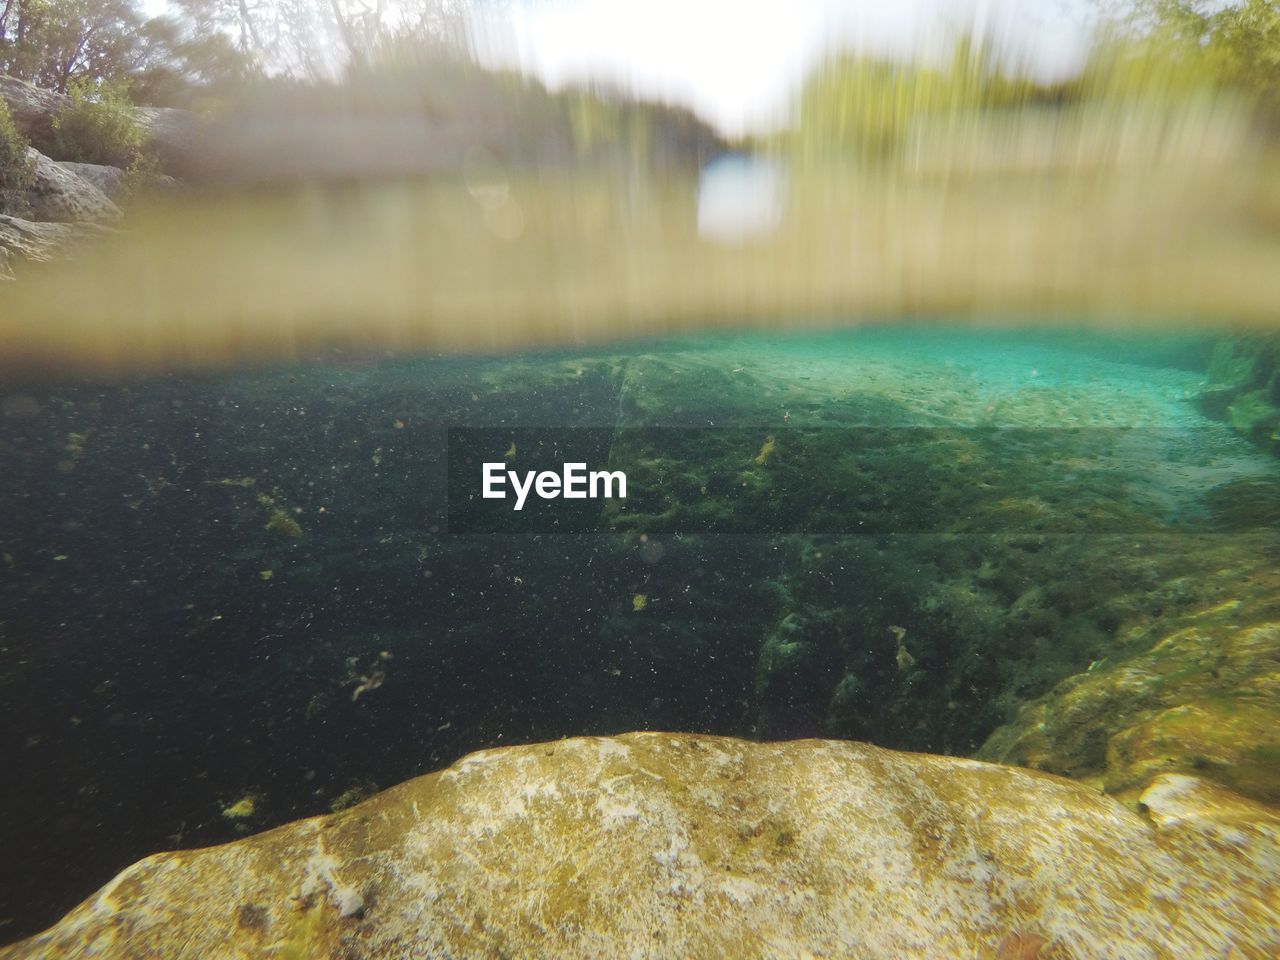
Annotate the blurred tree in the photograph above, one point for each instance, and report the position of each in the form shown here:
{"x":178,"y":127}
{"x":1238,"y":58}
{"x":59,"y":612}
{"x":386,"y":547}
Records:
{"x":863,"y":107}
{"x":55,"y":42}
{"x":174,"y":65}
{"x":1240,"y":40}
{"x":318,"y":39}
{"x":58,"y":43}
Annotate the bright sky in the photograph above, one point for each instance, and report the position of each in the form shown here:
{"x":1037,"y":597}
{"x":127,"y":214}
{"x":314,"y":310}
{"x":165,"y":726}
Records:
{"x":737,"y":62}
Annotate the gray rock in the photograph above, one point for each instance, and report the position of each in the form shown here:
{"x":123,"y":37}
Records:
{"x":32,"y":109}
{"x":113,"y":181}
{"x":108,"y":179}
{"x":27,"y":240}
{"x":62,"y":196}
{"x":171,"y":132}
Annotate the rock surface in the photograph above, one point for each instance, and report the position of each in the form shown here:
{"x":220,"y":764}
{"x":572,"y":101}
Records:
{"x":1200,"y":697}
{"x":108,"y":179}
{"x":31,"y":107}
{"x":1243,"y":387}
{"x":67,"y":201}
{"x":39,"y":241}
{"x":172,"y":132}
{"x":61,"y":196}
{"x":687,"y":846}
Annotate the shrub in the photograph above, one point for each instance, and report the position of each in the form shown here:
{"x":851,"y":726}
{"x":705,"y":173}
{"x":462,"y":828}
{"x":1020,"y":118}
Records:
{"x":17,"y":169}
{"x":97,"y":126}
{"x":144,"y":175}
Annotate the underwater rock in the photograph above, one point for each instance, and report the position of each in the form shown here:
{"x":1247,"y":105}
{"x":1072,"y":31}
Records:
{"x":1243,"y":386}
{"x":1203,"y":699}
{"x":1253,"y":415}
{"x":678,"y":845}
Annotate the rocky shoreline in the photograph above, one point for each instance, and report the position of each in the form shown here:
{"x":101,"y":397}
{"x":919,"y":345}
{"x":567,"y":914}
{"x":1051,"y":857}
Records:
{"x":69,"y":202}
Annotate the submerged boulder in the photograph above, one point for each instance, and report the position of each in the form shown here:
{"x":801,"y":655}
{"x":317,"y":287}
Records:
{"x":1203,"y":698}
{"x":1242,"y":387}
{"x":678,"y":845}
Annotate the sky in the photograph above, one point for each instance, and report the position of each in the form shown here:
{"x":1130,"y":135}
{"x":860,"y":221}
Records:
{"x":738,"y":63}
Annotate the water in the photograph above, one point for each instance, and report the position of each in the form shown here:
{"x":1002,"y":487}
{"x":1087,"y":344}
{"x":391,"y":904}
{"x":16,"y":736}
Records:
{"x":236,"y":599}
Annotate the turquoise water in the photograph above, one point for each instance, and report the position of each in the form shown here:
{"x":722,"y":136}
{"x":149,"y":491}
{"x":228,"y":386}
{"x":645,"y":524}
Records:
{"x":235,"y":600}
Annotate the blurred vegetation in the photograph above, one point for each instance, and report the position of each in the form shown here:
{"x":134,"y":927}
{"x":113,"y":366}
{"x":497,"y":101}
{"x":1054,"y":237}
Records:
{"x":865,"y":107}
{"x":210,"y":49}
{"x":165,"y":61}
{"x":144,"y":175}
{"x":336,"y":64}
{"x":1156,"y":55}
{"x":427,"y":108}
{"x":17,"y":170}
{"x":1237,"y":43}
{"x":96,"y":126}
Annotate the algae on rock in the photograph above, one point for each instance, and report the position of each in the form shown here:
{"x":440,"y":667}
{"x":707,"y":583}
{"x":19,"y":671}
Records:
{"x":654,"y":844}
{"x":1200,"y":695}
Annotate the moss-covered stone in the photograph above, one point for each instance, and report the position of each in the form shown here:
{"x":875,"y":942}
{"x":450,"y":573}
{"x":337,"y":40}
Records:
{"x":1243,"y":387}
{"x":1204,"y":698}
{"x":678,"y":845}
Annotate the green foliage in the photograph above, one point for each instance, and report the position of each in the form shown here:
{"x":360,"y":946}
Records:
{"x":97,"y":126}
{"x":52,"y":43}
{"x":16,"y":167}
{"x":1174,"y":47}
{"x":1164,"y":57}
{"x":168,"y":61}
{"x":865,"y":107}
{"x":306,"y":39}
{"x":1239,"y":42}
{"x":181,"y":69}
{"x":144,"y":175}
{"x":1154,"y":68}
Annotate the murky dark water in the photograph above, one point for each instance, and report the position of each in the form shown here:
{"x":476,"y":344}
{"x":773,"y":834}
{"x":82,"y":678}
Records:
{"x":232,"y":601}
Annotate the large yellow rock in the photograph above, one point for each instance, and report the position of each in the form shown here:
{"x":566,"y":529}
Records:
{"x":672,"y":845}
{"x":1204,"y":699}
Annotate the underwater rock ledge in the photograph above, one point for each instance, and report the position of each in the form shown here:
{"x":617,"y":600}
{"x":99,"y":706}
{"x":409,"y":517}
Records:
{"x":653,"y":844}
